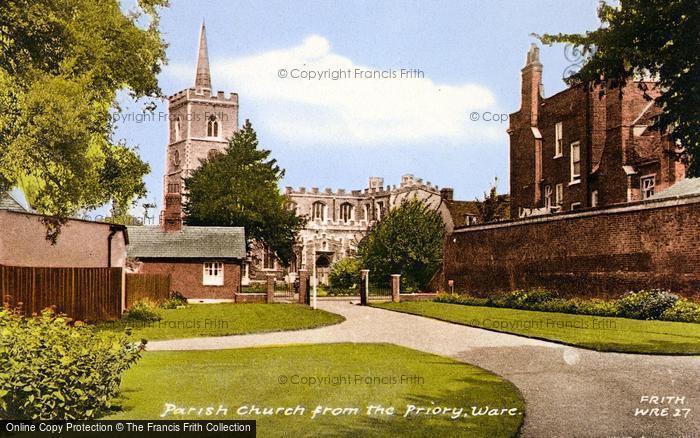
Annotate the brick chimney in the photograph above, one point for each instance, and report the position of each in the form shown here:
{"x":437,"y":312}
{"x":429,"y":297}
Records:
{"x":447,"y":193}
{"x":531,"y":89}
{"x":172,"y":218}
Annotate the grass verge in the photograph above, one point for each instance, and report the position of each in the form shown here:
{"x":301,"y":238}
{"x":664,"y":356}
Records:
{"x":200,"y":320}
{"x":594,"y":332}
{"x":265,"y":377}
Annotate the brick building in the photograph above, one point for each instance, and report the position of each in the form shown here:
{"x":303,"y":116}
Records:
{"x":203,"y":262}
{"x":585,"y":148}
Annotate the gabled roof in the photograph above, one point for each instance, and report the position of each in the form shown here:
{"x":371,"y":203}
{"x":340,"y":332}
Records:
{"x":685,"y":187}
{"x":7,"y":202}
{"x":190,"y":242}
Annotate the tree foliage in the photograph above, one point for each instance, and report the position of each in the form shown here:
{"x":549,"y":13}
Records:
{"x":345,"y":273}
{"x":407,"y":241}
{"x":493,"y":207}
{"x":61,"y":65}
{"x":649,"y":38}
{"x":239,"y":188}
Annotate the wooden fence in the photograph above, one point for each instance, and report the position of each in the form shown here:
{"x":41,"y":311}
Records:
{"x":87,"y":294}
{"x":152,"y":286}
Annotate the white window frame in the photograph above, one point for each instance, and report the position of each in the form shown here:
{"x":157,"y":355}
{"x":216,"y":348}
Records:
{"x":576,"y":205}
{"x":575,"y":177}
{"x":213,"y":274}
{"x":558,"y":140}
{"x":548,"y":196}
{"x":644,"y":191}
{"x":559,"y":194}
{"x":594,"y":198}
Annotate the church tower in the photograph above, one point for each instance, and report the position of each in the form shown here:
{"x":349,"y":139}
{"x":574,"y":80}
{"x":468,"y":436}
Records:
{"x":200,"y":124}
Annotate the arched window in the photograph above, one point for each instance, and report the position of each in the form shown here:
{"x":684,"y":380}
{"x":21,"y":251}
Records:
{"x":212,"y":127}
{"x":176,"y":157}
{"x":346,"y":211}
{"x":177,"y":129}
{"x":318,"y":210}
{"x":212,"y":153}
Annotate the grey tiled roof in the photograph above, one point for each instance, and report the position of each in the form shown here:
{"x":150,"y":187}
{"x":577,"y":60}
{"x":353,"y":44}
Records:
{"x":7,"y":202}
{"x":190,"y":242}
{"x":688,"y":186}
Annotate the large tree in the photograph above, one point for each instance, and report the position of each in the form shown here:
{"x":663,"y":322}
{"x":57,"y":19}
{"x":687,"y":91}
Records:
{"x":649,"y":38}
{"x":61,"y":66}
{"x":407,"y":241}
{"x":493,"y":207}
{"x":239,"y":188}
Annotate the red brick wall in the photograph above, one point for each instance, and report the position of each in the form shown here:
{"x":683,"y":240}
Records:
{"x":590,"y":253}
{"x":186,"y":277}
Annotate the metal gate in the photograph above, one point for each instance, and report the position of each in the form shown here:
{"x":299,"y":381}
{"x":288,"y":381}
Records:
{"x":284,"y":292}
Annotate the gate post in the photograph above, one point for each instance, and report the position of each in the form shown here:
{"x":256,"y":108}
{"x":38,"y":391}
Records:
{"x":396,"y":288}
{"x":364,"y":286}
{"x":270,"y":288}
{"x":303,"y":279}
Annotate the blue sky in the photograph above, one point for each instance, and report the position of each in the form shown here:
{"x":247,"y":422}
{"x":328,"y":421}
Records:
{"x":338,"y":133}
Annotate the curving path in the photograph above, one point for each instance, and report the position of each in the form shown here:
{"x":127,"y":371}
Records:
{"x":568,"y":391}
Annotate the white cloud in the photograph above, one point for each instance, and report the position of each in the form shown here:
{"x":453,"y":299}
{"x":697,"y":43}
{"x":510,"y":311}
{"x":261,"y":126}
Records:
{"x":350,"y":111}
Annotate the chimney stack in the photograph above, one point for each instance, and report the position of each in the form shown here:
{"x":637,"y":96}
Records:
{"x":447,"y":193}
{"x":172,"y":219}
{"x":531,"y":90}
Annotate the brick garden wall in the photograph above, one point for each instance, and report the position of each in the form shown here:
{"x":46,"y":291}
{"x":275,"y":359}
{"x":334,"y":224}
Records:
{"x":602,"y":253}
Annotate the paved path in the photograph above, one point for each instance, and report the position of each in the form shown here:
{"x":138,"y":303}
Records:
{"x":568,"y":391}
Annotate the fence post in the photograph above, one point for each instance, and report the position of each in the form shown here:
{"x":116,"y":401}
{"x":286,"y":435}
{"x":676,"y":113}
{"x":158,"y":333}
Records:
{"x":270,"y":288}
{"x":396,"y":288}
{"x":303,"y":279}
{"x":123,"y":289}
{"x":364,"y":286}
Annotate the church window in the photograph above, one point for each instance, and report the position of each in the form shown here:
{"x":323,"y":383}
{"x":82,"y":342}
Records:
{"x":212,"y":127}
{"x":346,"y":211}
{"x":318,"y":210}
{"x":212,"y":153}
{"x":176,"y":157}
{"x":269,"y":260}
{"x":177,"y":129}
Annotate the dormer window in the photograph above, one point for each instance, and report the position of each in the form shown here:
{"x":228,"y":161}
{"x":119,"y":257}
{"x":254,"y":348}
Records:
{"x":212,"y":127}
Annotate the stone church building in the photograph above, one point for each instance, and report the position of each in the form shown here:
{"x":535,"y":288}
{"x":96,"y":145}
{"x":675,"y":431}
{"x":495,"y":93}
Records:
{"x":200,"y":124}
{"x":338,"y":220}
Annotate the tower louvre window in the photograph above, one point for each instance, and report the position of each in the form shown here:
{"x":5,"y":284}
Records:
{"x":212,"y":127}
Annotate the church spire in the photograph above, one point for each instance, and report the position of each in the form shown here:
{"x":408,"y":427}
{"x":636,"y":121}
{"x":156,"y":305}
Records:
{"x":202,"y":81}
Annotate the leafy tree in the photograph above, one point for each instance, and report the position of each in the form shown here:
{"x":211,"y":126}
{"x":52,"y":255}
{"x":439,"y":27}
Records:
{"x":61,"y":65}
{"x":649,"y":38}
{"x":493,"y":207}
{"x":407,"y":241}
{"x":345,"y":273}
{"x":239,"y":188}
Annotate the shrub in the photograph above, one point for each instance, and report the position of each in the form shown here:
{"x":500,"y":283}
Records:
{"x":461,"y":299}
{"x":345,"y":274}
{"x":174,"y":301}
{"x":524,"y":299}
{"x":51,"y":370}
{"x":142,"y":311}
{"x":682,"y":311}
{"x":645,"y":304}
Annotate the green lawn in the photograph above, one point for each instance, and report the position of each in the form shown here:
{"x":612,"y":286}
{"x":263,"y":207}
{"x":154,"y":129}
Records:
{"x":264,"y":377}
{"x":199,"y":320}
{"x":594,"y":332}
